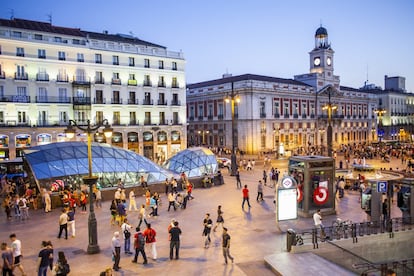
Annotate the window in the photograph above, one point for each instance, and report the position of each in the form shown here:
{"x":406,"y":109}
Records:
{"x":99,"y":117}
{"x":174,"y":65}
{"x":147,"y":119}
{"x":147,"y":98}
{"x":21,"y":91}
{"x":115,"y":78}
{"x":115,"y":60}
{"x":115,"y":97}
{"x":296,"y":109}
{"x":262,"y":109}
{"x":80,"y":57}
{"x":200,"y":111}
{"x":42,"y":94}
{"x":131,"y":99}
{"x":62,"y":55}
{"x":131,"y":61}
{"x":175,"y":118}
{"x":220,"y":110}
{"x":161,"y":81}
{"x":175,"y":99}
{"x":210,"y":111}
{"x":75,"y":41}
{"x":20,"y":52}
{"x":162,"y":118}
{"x":286,"y":109}
{"x":38,"y":37}
{"x":160,"y":64}
{"x":41,"y":53}
{"x":276,"y":110}
{"x":58,"y":39}
{"x":21,"y":117}
{"x":98,"y":58}
{"x":132,"y":118}
{"x":21,"y":72}
{"x":98,"y":77}
{"x":1,"y":91}
{"x":116,"y":120}
{"x":146,"y":63}
{"x":17,"y":34}
{"x":147,"y":80}
{"x":63,"y":95}
{"x":191,"y":111}
{"x":161,"y":98}
{"x":99,"y":97}
{"x":63,"y":117}
{"x":174,"y":83}
{"x":304,"y":109}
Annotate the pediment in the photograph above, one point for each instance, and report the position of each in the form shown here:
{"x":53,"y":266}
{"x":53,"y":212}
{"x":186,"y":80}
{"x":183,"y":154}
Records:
{"x":330,"y":90}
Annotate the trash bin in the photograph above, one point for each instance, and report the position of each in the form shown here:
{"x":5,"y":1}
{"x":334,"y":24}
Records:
{"x":290,"y":239}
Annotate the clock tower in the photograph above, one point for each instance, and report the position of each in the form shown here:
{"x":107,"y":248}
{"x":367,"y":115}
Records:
{"x":321,"y":60}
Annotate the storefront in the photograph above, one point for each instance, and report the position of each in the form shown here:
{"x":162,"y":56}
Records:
{"x":23,"y":141}
{"x":117,"y":139}
{"x":133,"y":143}
{"x":162,"y":147}
{"x":43,"y":139}
{"x":175,"y":142}
{"x":4,"y":147}
{"x":148,"y":145}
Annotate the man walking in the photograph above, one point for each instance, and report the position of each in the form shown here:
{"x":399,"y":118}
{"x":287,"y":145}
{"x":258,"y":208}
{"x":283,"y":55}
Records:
{"x":63,"y":224}
{"x":259,"y":191}
{"x":317,"y":219}
{"x":142,"y":215}
{"x":139,"y":244}
{"x":150,"y":234}
{"x":208,"y":223}
{"x":7,"y":260}
{"x":175,"y":233}
{"x":245,"y":196}
{"x":16,"y":247}
{"x":126,"y":230}
{"x":116,"y":250}
{"x":226,"y":246}
{"x":71,"y":222}
{"x":239,"y":185}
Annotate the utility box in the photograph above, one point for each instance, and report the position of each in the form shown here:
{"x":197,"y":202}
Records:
{"x":315,"y":177}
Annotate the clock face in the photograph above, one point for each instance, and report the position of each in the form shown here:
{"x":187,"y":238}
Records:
{"x":328,"y":61}
{"x":317,"y":61}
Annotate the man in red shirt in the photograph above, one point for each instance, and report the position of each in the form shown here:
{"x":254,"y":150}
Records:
{"x":245,"y":196}
{"x":150,"y":234}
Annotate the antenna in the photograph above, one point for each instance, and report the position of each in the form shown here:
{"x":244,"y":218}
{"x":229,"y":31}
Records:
{"x":367,"y":73}
{"x":11,"y":14}
{"x":49,"y":16}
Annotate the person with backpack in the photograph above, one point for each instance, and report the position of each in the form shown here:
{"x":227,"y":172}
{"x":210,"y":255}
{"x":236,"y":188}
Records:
{"x":62,"y":267}
{"x":126,"y":230}
{"x":139,"y":245}
{"x":150,"y":234}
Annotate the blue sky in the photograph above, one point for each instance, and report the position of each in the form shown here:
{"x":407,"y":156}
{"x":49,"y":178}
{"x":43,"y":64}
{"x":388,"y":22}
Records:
{"x":371,"y":38}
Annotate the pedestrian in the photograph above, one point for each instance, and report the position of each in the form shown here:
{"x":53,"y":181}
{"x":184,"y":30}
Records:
{"x":7,"y":258}
{"x":265,"y":177}
{"x":24,"y":208}
{"x":150,"y":240}
{"x":226,"y":246}
{"x":116,"y":250}
{"x":259,"y":191}
{"x":71,"y":222}
{"x":207,"y":223}
{"x":175,"y":233}
{"x":45,"y":258}
{"x":341,"y":187}
{"x":238,"y":182}
{"x":47,"y":201}
{"x":385,"y":211}
{"x":139,"y":245}
{"x":132,"y":202}
{"x":121,"y":211}
{"x":245,"y":192}
{"x":143,"y":183}
{"x":83,"y":201}
{"x":126,"y":230}
{"x":62,"y":267}
{"x":117,"y":195}
{"x":114,"y":212}
{"x":317,"y":219}
{"x":63,"y":224}
{"x":220,"y":219}
{"x":16,"y":247}
{"x":98,"y":198}
{"x":171,"y":201}
{"x":141,"y":216}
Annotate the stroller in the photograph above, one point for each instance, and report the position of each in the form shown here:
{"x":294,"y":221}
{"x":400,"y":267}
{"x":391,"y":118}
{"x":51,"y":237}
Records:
{"x":179,"y":199}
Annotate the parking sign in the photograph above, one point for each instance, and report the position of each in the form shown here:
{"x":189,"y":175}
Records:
{"x":382,"y":186}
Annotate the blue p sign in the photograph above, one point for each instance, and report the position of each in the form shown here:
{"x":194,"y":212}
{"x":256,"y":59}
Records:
{"x":382,"y":187}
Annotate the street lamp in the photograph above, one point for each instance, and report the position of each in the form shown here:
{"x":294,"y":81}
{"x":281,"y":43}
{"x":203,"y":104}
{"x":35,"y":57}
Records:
{"x":90,"y":180}
{"x":380,"y":112}
{"x":329,"y":107}
{"x":232,"y":98}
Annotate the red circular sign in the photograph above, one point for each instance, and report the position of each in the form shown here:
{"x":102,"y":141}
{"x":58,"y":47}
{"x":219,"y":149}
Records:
{"x":320,"y":195}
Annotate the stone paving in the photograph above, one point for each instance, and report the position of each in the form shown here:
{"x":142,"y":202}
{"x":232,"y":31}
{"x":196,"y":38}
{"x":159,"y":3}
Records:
{"x":254,"y":233}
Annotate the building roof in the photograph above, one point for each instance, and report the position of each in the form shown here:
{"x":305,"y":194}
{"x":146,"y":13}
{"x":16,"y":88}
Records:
{"x":244,"y":78}
{"x":321,"y":31}
{"x":49,"y":28}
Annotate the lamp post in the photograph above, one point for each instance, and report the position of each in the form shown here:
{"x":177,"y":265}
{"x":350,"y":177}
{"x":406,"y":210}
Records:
{"x":233,"y":97}
{"x":90,"y":180}
{"x":380,"y":112}
{"x":329,"y":107}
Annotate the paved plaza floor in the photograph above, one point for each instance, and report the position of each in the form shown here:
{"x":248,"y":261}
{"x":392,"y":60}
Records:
{"x":254,"y":233}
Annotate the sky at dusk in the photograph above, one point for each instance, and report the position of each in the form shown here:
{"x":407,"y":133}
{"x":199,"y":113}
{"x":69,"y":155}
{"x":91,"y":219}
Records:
{"x":371,"y":38}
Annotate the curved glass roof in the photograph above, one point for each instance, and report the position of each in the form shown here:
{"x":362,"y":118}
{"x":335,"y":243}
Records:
{"x":193,"y":162}
{"x":64,"y":159}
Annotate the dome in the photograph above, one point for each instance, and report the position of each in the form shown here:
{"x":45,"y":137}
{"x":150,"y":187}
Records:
{"x":69,"y":161}
{"x":193,"y":162}
{"x":321,"y":31}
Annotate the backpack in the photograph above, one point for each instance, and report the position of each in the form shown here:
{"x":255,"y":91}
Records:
{"x":21,"y":203}
{"x":140,"y":241}
{"x":66,"y":268}
{"x":127,"y":234}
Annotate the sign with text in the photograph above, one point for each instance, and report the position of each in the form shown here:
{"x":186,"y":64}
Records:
{"x":287,"y":204}
{"x":382,"y":186}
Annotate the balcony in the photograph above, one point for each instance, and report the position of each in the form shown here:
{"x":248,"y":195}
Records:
{"x":15,"y":99}
{"x":132,"y":82}
{"x":147,"y":122}
{"x":52,"y":99}
{"x":312,"y":116}
{"x":81,"y":100}
{"x":296,"y":116}
{"x":99,"y":101}
{"x":81,"y":80}
{"x":99,"y":80}
{"x":148,"y":102}
{"x":62,"y":78}
{"x":42,"y":77}
{"x":200,"y":118}
{"x":161,"y":84}
{"x":163,"y":122}
{"x":175,"y":85}
{"x":277,"y":115}
{"x":132,"y":101}
{"x":285,"y":115}
{"x":2,"y":75}
{"x":116,"y":101}
{"x":262,"y":115}
{"x":175,"y":122}
{"x":147,"y":83}
{"x":210,"y":117}
{"x":175,"y":102}
{"x":21,"y":76}
{"x":303,"y":116}
{"x":162,"y":102}
{"x":116,"y":81}
{"x":133,"y":122}
{"x":191,"y":118}
{"x":220,"y":116}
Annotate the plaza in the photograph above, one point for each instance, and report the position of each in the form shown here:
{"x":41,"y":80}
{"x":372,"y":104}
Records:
{"x":254,"y":233}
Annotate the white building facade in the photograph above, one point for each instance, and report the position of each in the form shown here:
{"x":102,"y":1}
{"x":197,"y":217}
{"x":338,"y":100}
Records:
{"x":50,"y":75}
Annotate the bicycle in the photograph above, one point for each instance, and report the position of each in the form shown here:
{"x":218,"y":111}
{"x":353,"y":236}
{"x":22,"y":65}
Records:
{"x":341,"y":228}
